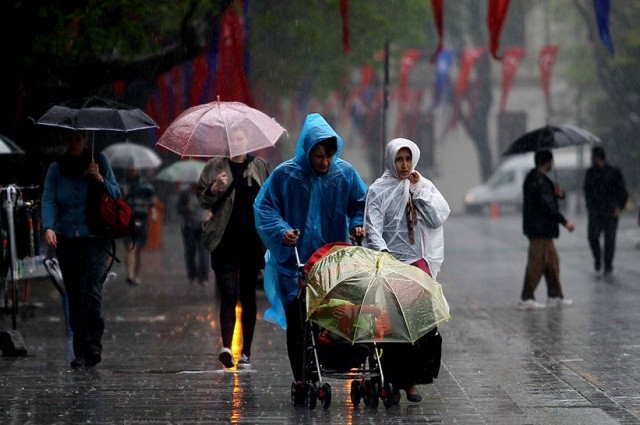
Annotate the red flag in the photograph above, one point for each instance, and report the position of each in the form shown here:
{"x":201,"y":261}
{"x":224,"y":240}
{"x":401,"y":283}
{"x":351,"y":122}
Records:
{"x":344,"y":13}
{"x":231,"y":77}
{"x":437,"y":7}
{"x":547,"y":59}
{"x":469,"y":59}
{"x":510,"y":63}
{"x":496,"y":14}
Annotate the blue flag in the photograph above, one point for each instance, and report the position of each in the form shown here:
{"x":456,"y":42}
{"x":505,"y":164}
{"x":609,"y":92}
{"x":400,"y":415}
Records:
{"x":444,"y":61}
{"x":602,"y":8}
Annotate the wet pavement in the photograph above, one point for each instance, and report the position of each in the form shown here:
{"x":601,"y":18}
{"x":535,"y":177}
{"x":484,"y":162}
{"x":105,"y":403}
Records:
{"x":570,"y":365}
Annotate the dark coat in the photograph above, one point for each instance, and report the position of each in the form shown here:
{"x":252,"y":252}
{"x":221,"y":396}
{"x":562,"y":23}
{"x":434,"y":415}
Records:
{"x":604,"y":190}
{"x":540,"y":213}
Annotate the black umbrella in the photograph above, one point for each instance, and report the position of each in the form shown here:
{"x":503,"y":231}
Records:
{"x":97,"y":114}
{"x":551,"y":137}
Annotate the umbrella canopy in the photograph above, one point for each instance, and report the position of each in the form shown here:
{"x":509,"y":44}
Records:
{"x":186,"y":171}
{"x":222,"y":129}
{"x":130,"y":155}
{"x":9,"y":147}
{"x":97,"y":114}
{"x":369,"y":296}
{"x":551,"y":137}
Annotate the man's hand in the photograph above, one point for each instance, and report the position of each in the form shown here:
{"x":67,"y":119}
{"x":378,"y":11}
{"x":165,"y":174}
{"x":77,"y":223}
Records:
{"x":51,"y":238}
{"x":570,"y":226}
{"x":290,"y":237}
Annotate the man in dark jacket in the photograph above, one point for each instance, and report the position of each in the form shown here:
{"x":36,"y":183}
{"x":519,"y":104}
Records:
{"x":540,"y":219}
{"x":606,"y":195}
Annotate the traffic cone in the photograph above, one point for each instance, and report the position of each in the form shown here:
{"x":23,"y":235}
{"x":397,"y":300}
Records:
{"x":495,"y":211}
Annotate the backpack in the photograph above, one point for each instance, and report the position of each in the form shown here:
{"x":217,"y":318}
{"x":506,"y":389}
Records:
{"x":117,"y":216}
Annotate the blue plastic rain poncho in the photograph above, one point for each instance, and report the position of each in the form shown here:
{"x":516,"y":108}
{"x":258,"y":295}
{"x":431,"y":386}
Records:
{"x":325,"y":208}
{"x":386,"y":213}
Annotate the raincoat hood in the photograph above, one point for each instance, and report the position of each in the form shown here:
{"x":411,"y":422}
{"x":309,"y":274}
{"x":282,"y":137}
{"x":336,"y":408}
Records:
{"x":391,"y":152}
{"x":314,"y":130}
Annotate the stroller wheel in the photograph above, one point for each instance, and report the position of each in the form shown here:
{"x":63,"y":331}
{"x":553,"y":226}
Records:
{"x":387,"y":395}
{"x":374,"y":392}
{"x":312,"y":396}
{"x":324,"y":394}
{"x":356,"y":393}
{"x":366,"y":392}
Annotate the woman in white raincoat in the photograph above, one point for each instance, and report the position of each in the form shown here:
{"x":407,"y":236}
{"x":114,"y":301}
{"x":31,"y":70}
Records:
{"x":404,"y":214}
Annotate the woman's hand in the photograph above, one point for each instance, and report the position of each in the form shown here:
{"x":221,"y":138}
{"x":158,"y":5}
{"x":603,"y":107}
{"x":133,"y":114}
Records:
{"x":51,"y":238}
{"x":94,"y":170}
{"x":220,"y":183}
{"x":414,"y":177}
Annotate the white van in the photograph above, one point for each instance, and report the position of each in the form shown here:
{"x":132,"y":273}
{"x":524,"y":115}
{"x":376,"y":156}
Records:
{"x":504,"y":188}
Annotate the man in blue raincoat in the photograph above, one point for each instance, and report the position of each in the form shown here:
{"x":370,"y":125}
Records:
{"x":308,"y":201}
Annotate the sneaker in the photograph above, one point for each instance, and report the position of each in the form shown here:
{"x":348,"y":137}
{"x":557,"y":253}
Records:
{"x":558,"y":302}
{"x":226,"y":358}
{"x":244,"y":362}
{"x":529,"y":305}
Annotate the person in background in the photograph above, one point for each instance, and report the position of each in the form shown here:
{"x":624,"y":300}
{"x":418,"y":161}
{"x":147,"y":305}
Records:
{"x":227,"y":188}
{"x":71,"y":231}
{"x":140,"y":194}
{"x":540,"y":219}
{"x":404,"y":215}
{"x":606,"y":195}
{"x":308,"y":201}
{"x":196,"y":256}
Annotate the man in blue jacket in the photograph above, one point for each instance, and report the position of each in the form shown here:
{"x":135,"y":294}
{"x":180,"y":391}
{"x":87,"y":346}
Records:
{"x":308,"y":201}
{"x":541,"y":218}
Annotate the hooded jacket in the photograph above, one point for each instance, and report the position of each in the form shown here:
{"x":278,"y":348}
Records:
{"x":324,"y":207}
{"x":386,"y":219}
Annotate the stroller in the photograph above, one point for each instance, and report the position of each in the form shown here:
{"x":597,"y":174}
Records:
{"x":352,"y":297}
{"x":326,"y":354}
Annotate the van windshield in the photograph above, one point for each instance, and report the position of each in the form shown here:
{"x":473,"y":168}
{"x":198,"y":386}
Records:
{"x":502,"y":178}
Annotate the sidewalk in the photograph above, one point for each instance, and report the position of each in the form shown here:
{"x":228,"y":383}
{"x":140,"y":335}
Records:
{"x":500,"y":365}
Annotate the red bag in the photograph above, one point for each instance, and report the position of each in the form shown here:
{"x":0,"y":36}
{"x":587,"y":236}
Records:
{"x":117,"y":216}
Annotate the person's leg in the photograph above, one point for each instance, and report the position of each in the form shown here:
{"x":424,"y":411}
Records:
{"x":594,"y":228}
{"x":295,"y":337}
{"x":248,"y":278}
{"x":91,"y":289}
{"x":610,"y":228}
{"x":189,"y":252}
{"x":227,"y":283}
{"x":534,"y":269}
{"x":67,"y":254}
{"x":552,"y":271}
{"x":202,"y":255}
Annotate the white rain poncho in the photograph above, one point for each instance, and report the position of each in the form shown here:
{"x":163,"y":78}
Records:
{"x":386,"y":213}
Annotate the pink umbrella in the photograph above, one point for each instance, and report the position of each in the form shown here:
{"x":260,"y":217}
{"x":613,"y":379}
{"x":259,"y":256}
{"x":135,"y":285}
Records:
{"x":224,"y":129}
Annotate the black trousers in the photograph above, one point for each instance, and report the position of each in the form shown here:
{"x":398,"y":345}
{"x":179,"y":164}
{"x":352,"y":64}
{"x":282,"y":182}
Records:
{"x":196,"y":257}
{"x":83,"y":263}
{"x":296,"y":338}
{"x":600,"y":223}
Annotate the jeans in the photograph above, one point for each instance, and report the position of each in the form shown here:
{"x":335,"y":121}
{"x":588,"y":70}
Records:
{"x":83,"y":264}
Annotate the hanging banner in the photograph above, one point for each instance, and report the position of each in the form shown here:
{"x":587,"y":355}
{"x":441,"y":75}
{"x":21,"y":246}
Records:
{"x":437,"y":8}
{"x":443,"y":66}
{"x":231,"y":76}
{"x":510,"y":63}
{"x":547,"y":58}
{"x":344,"y":14}
{"x":469,"y":58}
{"x":496,"y":14}
{"x":602,"y":8}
